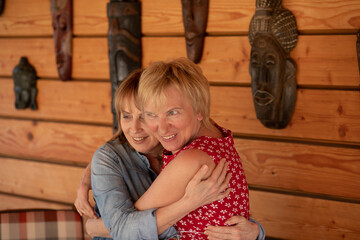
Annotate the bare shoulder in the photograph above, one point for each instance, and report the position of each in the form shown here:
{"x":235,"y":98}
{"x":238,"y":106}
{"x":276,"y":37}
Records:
{"x":192,"y":159}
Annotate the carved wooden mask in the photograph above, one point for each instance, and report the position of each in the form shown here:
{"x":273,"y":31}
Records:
{"x":272,"y":36}
{"x":2,"y":6}
{"x":124,"y":42}
{"x":24,"y":76}
{"x":62,"y":22}
{"x":195,"y":14}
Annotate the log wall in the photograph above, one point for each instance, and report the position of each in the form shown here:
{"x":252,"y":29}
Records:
{"x":304,"y":180}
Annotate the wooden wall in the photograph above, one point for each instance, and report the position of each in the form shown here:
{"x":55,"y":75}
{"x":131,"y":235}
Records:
{"x":304,"y":180}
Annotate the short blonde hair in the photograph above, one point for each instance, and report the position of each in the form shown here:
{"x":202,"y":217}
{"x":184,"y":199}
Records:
{"x":182,"y":74}
{"x":127,"y":91}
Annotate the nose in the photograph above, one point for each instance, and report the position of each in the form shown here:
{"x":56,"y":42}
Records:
{"x":136,"y":126}
{"x":163,"y":126}
{"x":263,"y":77}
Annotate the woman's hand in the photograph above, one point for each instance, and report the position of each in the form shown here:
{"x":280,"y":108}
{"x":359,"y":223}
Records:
{"x":96,"y":228}
{"x":204,"y":191}
{"x":239,"y":228}
{"x":82,"y":203}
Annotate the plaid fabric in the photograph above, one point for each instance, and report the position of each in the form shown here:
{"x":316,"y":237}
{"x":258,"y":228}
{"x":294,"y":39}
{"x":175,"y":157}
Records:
{"x":41,"y":224}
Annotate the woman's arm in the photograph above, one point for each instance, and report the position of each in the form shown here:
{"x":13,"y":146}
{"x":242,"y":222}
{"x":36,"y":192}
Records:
{"x":96,"y":228}
{"x":82,"y":203}
{"x":174,"y":179}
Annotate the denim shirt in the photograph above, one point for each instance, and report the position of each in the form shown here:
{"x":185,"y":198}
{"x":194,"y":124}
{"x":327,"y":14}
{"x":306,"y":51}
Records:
{"x":119,"y":177}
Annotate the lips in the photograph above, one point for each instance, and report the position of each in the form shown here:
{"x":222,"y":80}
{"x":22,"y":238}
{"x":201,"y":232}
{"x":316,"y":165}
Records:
{"x":168,"y":138}
{"x":138,"y":139}
{"x":263,"y":98}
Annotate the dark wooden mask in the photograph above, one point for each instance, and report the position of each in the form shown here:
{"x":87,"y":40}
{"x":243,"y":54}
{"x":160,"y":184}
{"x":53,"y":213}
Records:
{"x":195,"y":14}
{"x":2,"y":6}
{"x":62,"y":22}
{"x":24,"y":76}
{"x":272,"y":35}
{"x":124,"y":42}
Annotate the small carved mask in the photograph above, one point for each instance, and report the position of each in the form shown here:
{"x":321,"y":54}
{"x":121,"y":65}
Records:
{"x":195,"y":14}
{"x":24,"y":76}
{"x":2,"y":6}
{"x":61,"y":11}
{"x":273,"y":82}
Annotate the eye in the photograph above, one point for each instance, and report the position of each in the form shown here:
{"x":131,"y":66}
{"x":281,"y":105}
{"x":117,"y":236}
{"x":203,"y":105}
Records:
{"x":173,"y":113}
{"x":270,"y":61}
{"x":254,"y":59}
{"x":150,"y":115}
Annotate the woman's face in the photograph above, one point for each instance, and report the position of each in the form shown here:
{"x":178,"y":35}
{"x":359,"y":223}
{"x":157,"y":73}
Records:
{"x":174,"y":123}
{"x":135,"y":130}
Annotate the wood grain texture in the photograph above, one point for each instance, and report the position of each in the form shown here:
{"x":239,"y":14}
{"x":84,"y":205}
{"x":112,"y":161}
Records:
{"x":296,"y":167}
{"x":59,"y":142}
{"x":26,"y":18}
{"x":331,"y":171}
{"x":321,"y":60}
{"x":320,"y":115}
{"x":294,"y":217}
{"x":40,"y":180}
{"x":162,"y":17}
{"x":11,"y":202}
{"x":74,"y":101}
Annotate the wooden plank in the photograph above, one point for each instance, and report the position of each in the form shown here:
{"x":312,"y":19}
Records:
{"x":321,"y":60}
{"x":162,"y":17}
{"x":11,"y":202}
{"x":323,"y":115}
{"x":62,"y":101}
{"x":299,"y":167}
{"x":40,"y":180}
{"x":26,"y":18}
{"x":294,"y":217}
{"x":320,"y":115}
{"x":60,"y":142}
{"x":39,"y":51}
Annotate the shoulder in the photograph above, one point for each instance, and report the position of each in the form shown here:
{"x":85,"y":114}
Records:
{"x":191,"y":159}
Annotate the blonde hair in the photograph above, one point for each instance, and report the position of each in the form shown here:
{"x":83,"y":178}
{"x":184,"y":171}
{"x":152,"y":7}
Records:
{"x":182,"y":74}
{"x":127,"y":91}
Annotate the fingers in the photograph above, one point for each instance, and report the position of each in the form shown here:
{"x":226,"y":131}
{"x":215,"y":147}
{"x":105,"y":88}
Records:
{"x":236,"y":220}
{"x":219,"y":169}
{"x":220,"y":233}
{"x":201,"y":173}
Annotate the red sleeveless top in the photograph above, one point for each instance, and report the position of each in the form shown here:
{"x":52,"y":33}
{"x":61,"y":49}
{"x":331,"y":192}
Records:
{"x":193,"y":225}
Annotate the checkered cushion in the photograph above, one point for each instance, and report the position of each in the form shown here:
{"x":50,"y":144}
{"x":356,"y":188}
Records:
{"x":41,"y":224}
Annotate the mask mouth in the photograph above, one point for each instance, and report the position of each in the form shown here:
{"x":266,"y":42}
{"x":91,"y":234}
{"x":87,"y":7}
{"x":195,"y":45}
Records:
{"x":263,"y":98}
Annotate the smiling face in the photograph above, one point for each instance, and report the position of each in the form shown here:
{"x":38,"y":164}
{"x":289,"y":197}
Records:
{"x":174,"y":122}
{"x":135,"y":131}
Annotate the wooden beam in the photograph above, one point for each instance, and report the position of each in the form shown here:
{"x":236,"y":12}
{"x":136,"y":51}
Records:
{"x":12,"y":202}
{"x":162,"y":17}
{"x":306,"y":168}
{"x":58,"y":142}
{"x":320,"y":115}
{"x":294,"y":217}
{"x":321,"y":60}
{"x":40,"y":180}
{"x":73,"y":101}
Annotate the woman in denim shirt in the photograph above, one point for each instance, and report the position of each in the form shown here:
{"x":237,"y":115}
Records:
{"x":124,"y":168}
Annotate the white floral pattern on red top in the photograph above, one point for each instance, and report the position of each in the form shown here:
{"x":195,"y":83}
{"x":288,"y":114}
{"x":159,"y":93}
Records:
{"x":193,"y":225}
